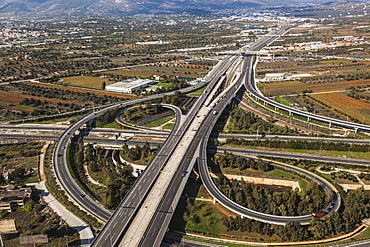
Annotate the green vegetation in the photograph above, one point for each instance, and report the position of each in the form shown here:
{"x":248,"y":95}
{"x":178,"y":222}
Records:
{"x":290,"y":203}
{"x":21,"y":161}
{"x":241,"y":121}
{"x":283,"y":101}
{"x":197,"y":92}
{"x":344,"y":175}
{"x":202,"y":218}
{"x":169,"y":126}
{"x":301,"y":145}
{"x":231,"y":160}
{"x":115,"y":178}
{"x":60,"y":194}
{"x":160,"y":121}
{"x":93,"y":82}
{"x":33,"y":220}
{"x":139,"y":155}
{"x":164,"y":84}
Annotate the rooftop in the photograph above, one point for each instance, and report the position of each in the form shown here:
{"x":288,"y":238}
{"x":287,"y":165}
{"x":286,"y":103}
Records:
{"x":130,"y":83}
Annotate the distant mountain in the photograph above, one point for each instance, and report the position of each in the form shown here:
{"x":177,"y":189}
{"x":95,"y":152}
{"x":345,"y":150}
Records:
{"x":124,"y":7}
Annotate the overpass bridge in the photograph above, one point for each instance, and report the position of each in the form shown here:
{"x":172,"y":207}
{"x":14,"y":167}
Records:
{"x":142,"y":217}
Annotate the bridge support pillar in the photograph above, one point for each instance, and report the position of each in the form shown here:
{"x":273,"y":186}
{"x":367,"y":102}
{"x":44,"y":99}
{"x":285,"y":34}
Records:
{"x":214,"y":201}
{"x":276,"y":109}
{"x":329,"y":124}
{"x":356,"y":130}
{"x":264,"y":102}
{"x":290,"y":113}
{"x":308,"y":119}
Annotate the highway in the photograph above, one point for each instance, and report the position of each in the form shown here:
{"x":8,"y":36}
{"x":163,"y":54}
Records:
{"x":120,"y":121}
{"x":163,"y":213}
{"x":218,"y":196}
{"x":59,"y":159}
{"x":122,"y":217}
{"x":155,"y":232}
{"x":132,"y":204}
{"x":141,"y":131}
{"x":218,"y":149}
{"x":251,"y":87}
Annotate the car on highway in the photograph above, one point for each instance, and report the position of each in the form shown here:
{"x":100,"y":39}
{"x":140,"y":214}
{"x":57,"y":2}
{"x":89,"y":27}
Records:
{"x":317,"y":215}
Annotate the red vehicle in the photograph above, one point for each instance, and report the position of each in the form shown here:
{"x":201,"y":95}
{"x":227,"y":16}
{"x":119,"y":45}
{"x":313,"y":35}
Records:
{"x":318,"y":214}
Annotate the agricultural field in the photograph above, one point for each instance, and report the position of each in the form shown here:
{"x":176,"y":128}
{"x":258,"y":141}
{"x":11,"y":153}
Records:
{"x":283,"y":88}
{"x":336,"y":88}
{"x":22,"y":156}
{"x":85,"y":82}
{"x":148,"y":71}
{"x":21,"y":101}
{"x":350,"y":106}
{"x":82,"y":90}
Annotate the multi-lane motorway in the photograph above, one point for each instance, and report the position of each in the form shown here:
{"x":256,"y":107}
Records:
{"x":134,"y":201}
{"x":222,"y":199}
{"x":124,"y":214}
{"x":53,"y":133}
{"x":59,"y":158}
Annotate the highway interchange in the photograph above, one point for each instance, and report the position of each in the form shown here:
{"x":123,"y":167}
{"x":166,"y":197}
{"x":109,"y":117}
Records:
{"x":160,"y":219}
{"x":120,"y":220}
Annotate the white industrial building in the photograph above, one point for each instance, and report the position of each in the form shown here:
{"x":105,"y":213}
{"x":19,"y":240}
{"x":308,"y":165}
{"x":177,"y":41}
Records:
{"x":274,"y":77}
{"x":129,"y":85}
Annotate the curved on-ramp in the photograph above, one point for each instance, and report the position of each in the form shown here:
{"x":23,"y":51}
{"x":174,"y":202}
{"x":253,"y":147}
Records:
{"x":332,"y":206}
{"x":120,"y":121}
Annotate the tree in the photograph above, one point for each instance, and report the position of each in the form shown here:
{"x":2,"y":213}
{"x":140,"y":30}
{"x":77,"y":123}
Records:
{"x":128,"y":115}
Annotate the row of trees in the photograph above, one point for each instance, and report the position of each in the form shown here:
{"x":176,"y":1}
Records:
{"x":290,"y":203}
{"x":248,"y":122}
{"x":365,"y":176}
{"x":301,"y":144}
{"x":118,"y":178}
{"x":292,"y":231}
{"x":143,"y":110}
{"x":175,"y":99}
{"x":36,"y":68}
{"x":356,"y":207}
{"x":55,"y":93}
{"x":344,"y":175}
{"x":143,"y":153}
{"x":231,"y":160}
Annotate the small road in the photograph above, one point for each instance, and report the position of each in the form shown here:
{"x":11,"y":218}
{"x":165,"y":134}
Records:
{"x":86,"y":235}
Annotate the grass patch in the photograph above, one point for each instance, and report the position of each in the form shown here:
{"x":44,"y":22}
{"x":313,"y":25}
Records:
{"x":364,"y":235}
{"x":197,"y":92}
{"x":204,"y":219}
{"x":302,"y":183}
{"x":275,"y":173}
{"x":85,"y":81}
{"x":336,"y":61}
{"x":334,"y":153}
{"x":112,"y":125}
{"x":169,"y":126}
{"x":159,"y":122}
{"x":216,"y":243}
{"x":283,"y":101}
{"x":100,"y":177}
{"x":165,"y":85}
